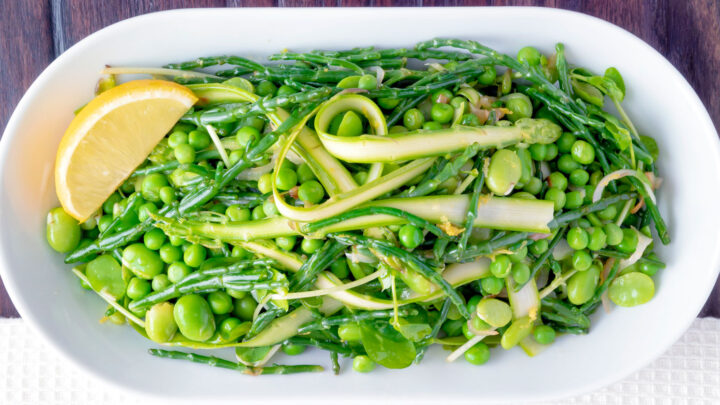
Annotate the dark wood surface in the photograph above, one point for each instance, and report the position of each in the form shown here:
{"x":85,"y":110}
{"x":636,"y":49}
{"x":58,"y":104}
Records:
{"x":34,"y":32}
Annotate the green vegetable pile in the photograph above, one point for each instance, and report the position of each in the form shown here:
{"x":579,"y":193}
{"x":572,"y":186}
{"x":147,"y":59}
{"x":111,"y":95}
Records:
{"x":347,"y":201}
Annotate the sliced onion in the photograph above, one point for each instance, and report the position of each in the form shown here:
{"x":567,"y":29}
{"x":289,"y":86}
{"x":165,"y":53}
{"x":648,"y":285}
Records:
{"x":538,"y":236}
{"x":643,"y":243}
{"x":482,"y":115}
{"x":326,"y":291}
{"x":379,"y":74}
{"x":358,"y":257}
{"x":256,"y":172}
{"x":544,"y":170}
{"x":352,"y":90}
{"x":618,"y":174}
{"x":562,"y":250}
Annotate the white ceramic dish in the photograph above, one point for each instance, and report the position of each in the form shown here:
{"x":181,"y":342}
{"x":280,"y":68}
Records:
{"x":659,"y":99}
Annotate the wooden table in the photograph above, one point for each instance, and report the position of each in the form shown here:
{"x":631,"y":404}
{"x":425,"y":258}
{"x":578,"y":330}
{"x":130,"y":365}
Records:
{"x":34,"y":32}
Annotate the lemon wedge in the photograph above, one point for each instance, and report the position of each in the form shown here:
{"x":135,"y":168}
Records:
{"x":110,"y":137}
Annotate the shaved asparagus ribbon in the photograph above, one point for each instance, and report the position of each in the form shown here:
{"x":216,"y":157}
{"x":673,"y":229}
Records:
{"x":380,"y":147}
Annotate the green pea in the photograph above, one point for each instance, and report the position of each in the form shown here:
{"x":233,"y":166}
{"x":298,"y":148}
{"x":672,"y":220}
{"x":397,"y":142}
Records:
{"x":488,"y":75}
{"x":160,"y":324}
{"x":154,"y":239}
{"x":538,"y":151}
{"x":368,"y":82}
{"x":557,"y":180}
{"x":360,"y":177}
{"x":176,"y":240}
{"x":292,"y":349}
{"x":104,"y":273}
{"x":231,"y":329}
{"x":145,"y":210}
{"x":238,"y":295}
{"x":519,"y":105}
{"x":500,"y":266}
{"x":108,"y":205}
{"x":194,"y":255}
{"x":573,"y":200}
{"x":62,"y":231}
{"x":184,"y":153}
{"x":452,"y":327}
{"x":265,"y":88}
{"x":470,"y":120}
{"x":220,"y":302}
{"x":240,"y":252}
{"x":478,"y":355}
{"x":269,"y":207}
{"x":518,"y":330}
{"x":311,"y":192}
{"x":305,"y":173}
{"x":581,"y":260}
{"x":565,"y":142}
{"x":199,"y":140}
{"x":457,"y":102}
{"x":177,"y":271}
{"x":340,"y":269}
{"x":544,"y":334}
{"x":442,"y":96}
{"x":442,"y":113}
{"x":169,"y":253}
{"x":194,"y":317}
{"x":258,"y":213}
{"x":629,"y":241}
{"x":388,"y":103}
{"x":579,"y":177}
{"x":117,"y":318}
{"x":363,"y":364}
{"x":631,"y":289}
{"x":286,"y":243}
{"x":551,"y":152}
{"x":557,"y":196}
{"x":583,"y":152}
{"x":349,"y":332}
{"x":519,"y":254}
{"x":244,"y":308}
{"x":538,"y":247}
{"x":160,"y":282}
{"x":138,"y":288}
{"x":151,"y":185}
{"x":567,"y":164}
{"x":614,"y":234}
{"x":495,"y":312}
{"x":473,"y":303}
{"x":237,"y":213}
{"x":142,"y":261}
{"x":577,"y":238}
{"x":410,"y":236}
{"x":245,"y":135}
{"x":432,"y":126}
{"x":177,"y":138}
{"x":520,"y":272}
{"x":265,"y":183}
{"x":167,"y":194}
{"x":397,"y":129}
{"x":529,"y":55}
{"x":350,"y":82}
{"x":504,"y":171}
{"x":581,"y":286}
{"x":350,"y":125}
{"x":286,"y":179}
{"x":608,"y":213}
{"x":310,"y":246}
{"x":598,"y":239}
{"x":413,"y":119}
{"x":492,"y":285}
{"x":533,"y":186}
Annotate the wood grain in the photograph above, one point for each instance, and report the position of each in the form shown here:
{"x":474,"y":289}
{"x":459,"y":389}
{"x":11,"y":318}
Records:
{"x":33,"y":32}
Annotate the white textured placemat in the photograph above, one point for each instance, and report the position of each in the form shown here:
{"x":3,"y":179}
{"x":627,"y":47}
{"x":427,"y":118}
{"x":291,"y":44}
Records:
{"x":689,"y":373}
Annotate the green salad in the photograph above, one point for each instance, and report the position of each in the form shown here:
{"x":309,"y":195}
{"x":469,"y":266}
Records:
{"x":373,"y":203}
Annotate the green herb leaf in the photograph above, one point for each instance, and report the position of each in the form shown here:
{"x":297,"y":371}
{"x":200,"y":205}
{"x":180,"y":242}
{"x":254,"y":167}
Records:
{"x":386,"y":346}
{"x":413,"y":331}
{"x":614,"y":75}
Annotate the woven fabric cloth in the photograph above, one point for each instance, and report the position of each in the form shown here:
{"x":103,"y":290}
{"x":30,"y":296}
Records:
{"x":688,"y":373}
